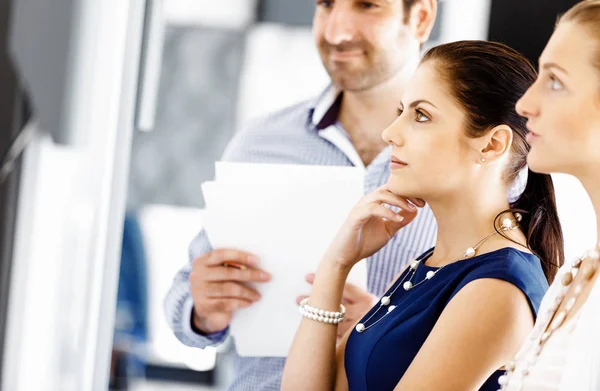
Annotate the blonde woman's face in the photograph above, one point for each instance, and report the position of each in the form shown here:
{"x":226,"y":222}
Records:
{"x":563,"y":105}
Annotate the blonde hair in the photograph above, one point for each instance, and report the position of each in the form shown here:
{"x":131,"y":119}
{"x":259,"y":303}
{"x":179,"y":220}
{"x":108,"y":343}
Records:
{"x":587,"y":15}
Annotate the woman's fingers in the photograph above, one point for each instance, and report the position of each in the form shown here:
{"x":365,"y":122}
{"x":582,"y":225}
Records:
{"x":413,"y":200}
{"x":384,"y":196}
{"x":418,"y":202}
{"x":378,"y":210}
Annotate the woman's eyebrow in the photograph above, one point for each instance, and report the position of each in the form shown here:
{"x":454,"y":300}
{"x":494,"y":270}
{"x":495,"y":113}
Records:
{"x":419,"y":101}
{"x":550,"y":65}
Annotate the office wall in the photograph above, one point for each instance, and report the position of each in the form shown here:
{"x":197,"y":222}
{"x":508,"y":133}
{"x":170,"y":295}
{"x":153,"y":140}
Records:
{"x":290,"y":12}
{"x":195,"y":116}
{"x":526,"y":25}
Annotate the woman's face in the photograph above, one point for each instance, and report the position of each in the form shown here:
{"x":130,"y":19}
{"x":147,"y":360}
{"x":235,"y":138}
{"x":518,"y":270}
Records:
{"x":431,"y":153}
{"x":563,"y":106}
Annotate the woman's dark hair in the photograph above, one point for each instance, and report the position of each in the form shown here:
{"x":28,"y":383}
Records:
{"x":487,"y":79}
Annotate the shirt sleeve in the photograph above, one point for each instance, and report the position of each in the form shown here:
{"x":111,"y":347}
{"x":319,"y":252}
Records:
{"x":250,"y":144}
{"x":179,"y":305}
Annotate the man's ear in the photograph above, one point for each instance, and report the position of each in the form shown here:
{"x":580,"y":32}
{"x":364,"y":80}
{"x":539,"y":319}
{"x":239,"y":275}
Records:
{"x":422,"y":18}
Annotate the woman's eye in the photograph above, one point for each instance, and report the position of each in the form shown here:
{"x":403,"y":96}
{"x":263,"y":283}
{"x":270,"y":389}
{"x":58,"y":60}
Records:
{"x":555,"y":84}
{"x":399,"y":112}
{"x":421,"y":117}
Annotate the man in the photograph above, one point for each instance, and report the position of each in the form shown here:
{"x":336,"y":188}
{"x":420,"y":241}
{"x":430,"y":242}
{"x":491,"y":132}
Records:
{"x":370,"y":49}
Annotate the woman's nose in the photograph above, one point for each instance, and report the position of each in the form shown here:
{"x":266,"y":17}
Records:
{"x":526,"y":106}
{"x":392,"y":135}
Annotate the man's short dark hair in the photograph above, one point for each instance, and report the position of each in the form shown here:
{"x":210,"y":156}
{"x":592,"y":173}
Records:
{"x":408,"y":4}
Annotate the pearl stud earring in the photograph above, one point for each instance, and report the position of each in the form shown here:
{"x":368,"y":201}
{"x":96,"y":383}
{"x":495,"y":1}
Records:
{"x":482,"y":160}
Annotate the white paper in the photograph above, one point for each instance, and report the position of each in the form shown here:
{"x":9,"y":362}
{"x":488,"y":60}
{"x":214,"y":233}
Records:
{"x":288,"y":225}
{"x":266,"y":197}
{"x":291,"y":174}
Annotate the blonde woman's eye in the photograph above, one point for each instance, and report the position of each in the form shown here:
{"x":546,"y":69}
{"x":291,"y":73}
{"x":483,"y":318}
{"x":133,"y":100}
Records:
{"x":555,"y":84}
{"x":421,"y":117}
{"x":399,"y":111}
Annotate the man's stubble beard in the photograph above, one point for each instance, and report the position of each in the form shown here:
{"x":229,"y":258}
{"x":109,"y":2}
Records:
{"x":370,"y":73}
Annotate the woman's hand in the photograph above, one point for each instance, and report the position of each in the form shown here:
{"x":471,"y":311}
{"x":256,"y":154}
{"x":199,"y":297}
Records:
{"x":370,"y":225}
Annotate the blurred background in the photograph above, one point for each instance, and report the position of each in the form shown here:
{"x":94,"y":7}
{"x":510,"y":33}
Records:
{"x":113,"y":114}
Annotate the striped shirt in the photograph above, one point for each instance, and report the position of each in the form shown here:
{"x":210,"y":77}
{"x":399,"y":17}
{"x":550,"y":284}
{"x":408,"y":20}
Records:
{"x":306,"y":133}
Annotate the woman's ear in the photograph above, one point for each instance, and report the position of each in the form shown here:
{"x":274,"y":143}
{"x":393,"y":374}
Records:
{"x":496,"y":143}
{"x":422,"y":18}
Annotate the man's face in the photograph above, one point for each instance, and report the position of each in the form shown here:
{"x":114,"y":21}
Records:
{"x":363,"y":43}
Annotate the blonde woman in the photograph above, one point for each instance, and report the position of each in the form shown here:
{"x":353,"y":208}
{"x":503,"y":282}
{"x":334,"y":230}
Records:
{"x":563,"y":112}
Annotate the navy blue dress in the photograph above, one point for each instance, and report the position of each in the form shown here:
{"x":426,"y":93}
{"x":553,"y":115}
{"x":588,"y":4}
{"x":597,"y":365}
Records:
{"x":378,"y":358}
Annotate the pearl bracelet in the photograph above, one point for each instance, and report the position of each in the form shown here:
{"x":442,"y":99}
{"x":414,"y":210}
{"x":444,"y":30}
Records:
{"x":323,"y":316}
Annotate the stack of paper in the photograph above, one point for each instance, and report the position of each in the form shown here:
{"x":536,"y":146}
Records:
{"x":287,"y":215}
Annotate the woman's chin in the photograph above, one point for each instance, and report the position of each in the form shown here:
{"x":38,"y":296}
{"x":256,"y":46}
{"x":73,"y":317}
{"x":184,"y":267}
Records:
{"x":541,"y":164}
{"x":403,"y":190}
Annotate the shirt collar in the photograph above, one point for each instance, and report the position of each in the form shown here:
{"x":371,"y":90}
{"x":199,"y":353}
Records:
{"x":325,"y":109}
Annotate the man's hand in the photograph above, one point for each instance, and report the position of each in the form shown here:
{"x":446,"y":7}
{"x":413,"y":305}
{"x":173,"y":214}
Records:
{"x":218,"y":291}
{"x":357,"y":302}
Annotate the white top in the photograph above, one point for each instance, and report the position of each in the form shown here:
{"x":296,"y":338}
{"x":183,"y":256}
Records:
{"x":570,"y":359}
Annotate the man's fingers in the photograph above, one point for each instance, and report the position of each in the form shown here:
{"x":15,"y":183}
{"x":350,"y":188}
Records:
{"x":347,"y":320}
{"x":221,"y":273}
{"x":218,"y":257}
{"x":343,"y":327}
{"x":225,"y":305}
{"x":300,"y":298}
{"x":230,"y":290}
{"x":352,"y":293}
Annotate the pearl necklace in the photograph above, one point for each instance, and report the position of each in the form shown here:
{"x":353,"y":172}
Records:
{"x":556,"y":319}
{"x":507,"y":225}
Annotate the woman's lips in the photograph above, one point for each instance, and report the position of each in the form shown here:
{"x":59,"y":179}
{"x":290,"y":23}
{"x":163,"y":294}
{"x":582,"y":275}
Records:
{"x":531,"y":137}
{"x":396,"y":163}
